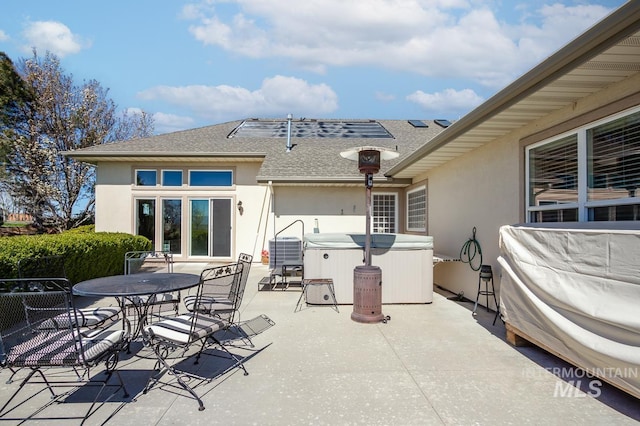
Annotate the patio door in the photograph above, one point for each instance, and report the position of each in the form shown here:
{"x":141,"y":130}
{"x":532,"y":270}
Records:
{"x":211,"y":227}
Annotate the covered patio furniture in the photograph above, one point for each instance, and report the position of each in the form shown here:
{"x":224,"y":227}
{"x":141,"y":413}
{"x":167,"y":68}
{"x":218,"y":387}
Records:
{"x":195,"y":329}
{"x":41,"y":332}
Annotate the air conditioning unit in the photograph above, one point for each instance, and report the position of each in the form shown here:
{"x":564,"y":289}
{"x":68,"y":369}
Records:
{"x":285,"y":250}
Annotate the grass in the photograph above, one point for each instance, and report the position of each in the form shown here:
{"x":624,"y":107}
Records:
{"x":14,"y":224}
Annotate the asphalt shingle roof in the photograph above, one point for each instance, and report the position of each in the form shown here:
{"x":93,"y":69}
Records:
{"x":310,"y":159}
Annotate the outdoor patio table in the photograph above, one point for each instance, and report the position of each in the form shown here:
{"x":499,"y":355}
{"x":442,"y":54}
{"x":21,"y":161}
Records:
{"x":130,"y":288}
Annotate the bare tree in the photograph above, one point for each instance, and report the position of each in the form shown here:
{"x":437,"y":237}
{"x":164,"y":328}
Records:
{"x":58,"y":190}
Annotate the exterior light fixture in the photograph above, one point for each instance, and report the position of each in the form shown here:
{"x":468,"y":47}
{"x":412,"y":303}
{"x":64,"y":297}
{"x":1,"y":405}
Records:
{"x":240,"y":208}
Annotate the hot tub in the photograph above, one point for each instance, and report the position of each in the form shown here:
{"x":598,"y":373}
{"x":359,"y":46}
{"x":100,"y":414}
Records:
{"x":406,"y":262}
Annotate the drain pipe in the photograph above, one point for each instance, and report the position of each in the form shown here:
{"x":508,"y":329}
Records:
{"x":289,"y":133}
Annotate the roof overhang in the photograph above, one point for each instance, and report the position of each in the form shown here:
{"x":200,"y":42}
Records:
{"x":139,"y":157}
{"x":607,"y":53}
{"x":355,"y":181}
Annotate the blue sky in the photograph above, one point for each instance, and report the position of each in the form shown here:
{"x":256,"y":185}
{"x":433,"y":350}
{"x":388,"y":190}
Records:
{"x":198,"y":63}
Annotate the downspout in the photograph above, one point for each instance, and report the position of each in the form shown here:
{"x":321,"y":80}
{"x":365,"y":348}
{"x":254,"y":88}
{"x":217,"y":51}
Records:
{"x":273,"y":207}
{"x":288,"y":133}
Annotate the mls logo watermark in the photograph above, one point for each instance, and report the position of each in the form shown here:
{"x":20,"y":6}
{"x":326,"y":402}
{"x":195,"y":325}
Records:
{"x":580,"y":382}
{"x":573,"y":389}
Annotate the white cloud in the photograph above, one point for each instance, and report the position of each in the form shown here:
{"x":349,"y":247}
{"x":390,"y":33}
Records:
{"x":53,"y":36}
{"x":166,"y":123}
{"x":3,"y":36}
{"x":449,"y":100}
{"x":442,"y":38}
{"x":277,"y":95}
{"x":384,"y":97}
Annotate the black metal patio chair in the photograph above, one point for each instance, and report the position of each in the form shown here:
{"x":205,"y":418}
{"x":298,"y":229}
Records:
{"x":52,"y":269}
{"x":222,"y":298}
{"x":193,"y":329}
{"x":40,"y":332}
{"x":153,"y":261}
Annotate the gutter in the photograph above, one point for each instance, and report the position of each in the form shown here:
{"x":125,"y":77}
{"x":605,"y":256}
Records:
{"x":617,"y":26}
{"x":181,"y":154}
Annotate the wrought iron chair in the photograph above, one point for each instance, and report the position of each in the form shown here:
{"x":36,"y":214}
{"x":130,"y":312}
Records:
{"x":53,"y":267}
{"x":223,"y":298}
{"x":40,"y":332}
{"x":192,"y":329}
{"x":150,"y":261}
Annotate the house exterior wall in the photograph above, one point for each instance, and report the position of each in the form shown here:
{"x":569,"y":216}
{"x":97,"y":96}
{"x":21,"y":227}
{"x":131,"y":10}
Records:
{"x":113,"y":197}
{"x":116,"y":195}
{"x":485,"y":187}
{"x":265,"y":209}
{"x":337,"y":209}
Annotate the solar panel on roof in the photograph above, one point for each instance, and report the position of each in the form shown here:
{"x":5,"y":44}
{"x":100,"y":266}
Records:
{"x":442,"y":122}
{"x":418,"y":123}
{"x":310,"y":129}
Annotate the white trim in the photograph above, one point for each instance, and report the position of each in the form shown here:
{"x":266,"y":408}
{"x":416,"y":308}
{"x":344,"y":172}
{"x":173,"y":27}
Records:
{"x":583,"y":204}
{"x":162,"y":171}
{"x":189,"y":171}
{"x":426,"y":201}
{"x":395,"y":208}
{"x":135,"y":178}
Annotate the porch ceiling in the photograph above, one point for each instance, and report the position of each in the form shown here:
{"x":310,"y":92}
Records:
{"x":606,"y":54}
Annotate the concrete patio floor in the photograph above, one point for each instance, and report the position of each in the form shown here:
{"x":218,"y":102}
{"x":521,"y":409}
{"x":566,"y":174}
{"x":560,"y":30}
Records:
{"x":430,"y":364}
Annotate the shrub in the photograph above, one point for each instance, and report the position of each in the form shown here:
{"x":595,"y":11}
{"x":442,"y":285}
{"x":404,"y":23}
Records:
{"x":86,"y":254}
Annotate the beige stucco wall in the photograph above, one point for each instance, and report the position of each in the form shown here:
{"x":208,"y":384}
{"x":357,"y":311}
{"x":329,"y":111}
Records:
{"x":473,"y":191}
{"x":115,"y":197}
{"x":337,"y":209}
{"x":484,"y":188}
{"x":265,"y":209}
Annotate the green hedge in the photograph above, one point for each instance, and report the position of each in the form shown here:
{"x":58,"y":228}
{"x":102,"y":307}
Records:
{"x":87,"y":254}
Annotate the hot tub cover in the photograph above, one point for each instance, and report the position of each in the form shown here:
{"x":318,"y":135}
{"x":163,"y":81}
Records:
{"x":378,"y":241}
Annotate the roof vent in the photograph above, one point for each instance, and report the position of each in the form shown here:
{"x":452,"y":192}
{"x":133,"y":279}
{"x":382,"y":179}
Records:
{"x":289,"y":132}
{"x":442,"y":122}
{"x":418,"y":123}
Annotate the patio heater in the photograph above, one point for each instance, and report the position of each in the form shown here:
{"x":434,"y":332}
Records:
{"x":367,"y":279}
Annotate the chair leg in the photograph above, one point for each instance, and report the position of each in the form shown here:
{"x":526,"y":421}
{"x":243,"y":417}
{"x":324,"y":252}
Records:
{"x":495,"y":299}
{"x":303,"y":294}
{"x":166,"y":368}
{"x":475,"y":306}
{"x":238,"y":361}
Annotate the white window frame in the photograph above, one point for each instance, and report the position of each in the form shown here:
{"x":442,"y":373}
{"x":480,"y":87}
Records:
{"x":162,"y":182}
{"x":395,"y":209}
{"x":211,"y":170}
{"x":583,"y":205}
{"x":135,"y":178}
{"x":422,"y":188}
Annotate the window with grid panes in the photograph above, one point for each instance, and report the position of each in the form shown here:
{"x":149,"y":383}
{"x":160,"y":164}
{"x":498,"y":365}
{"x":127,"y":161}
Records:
{"x":383,"y":217}
{"x":417,"y":209}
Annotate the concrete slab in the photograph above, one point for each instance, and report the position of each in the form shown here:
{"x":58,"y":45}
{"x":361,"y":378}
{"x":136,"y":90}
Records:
{"x":431,"y":364}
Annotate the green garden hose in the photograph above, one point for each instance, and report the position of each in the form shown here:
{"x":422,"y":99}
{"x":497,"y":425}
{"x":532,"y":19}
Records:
{"x":470,"y":250}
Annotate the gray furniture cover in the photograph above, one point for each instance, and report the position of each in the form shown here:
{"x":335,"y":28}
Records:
{"x":576,"y":292}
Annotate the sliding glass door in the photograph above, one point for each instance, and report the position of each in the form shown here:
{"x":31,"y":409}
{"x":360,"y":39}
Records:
{"x":211,"y":227}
